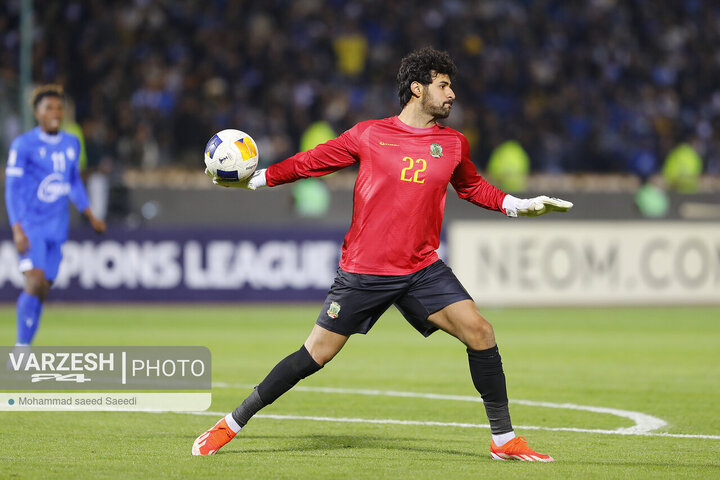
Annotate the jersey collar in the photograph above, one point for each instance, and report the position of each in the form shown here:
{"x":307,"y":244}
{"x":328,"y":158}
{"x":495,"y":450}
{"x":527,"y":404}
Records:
{"x":47,"y":138}
{"x":396,"y":120}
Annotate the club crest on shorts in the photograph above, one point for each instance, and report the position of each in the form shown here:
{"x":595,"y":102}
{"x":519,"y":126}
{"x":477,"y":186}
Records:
{"x":436,"y":150}
{"x":334,"y":310}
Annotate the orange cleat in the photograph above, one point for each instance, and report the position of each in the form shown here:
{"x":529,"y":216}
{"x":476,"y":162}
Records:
{"x":210,"y":442}
{"x":517,"y":449}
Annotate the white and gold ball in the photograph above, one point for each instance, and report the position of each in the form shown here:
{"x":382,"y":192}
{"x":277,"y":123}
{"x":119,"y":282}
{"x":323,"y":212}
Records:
{"x":231,"y":155}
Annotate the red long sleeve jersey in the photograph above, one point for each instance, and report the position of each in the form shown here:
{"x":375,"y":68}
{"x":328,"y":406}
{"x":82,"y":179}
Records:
{"x":400,"y":191}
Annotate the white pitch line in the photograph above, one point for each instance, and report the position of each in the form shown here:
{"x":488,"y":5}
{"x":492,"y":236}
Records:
{"x":643,"y":423}
{"x":390,"y":421}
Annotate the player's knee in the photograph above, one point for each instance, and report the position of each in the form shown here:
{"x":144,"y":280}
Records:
{"x":479,"y":334}
{"x":323,"y":345}
{"x":322,"y":352}
{"x":45,"y":291}
{"x":321,"y":357}
{"x":40,"y":291}
{"x":36,"y":284}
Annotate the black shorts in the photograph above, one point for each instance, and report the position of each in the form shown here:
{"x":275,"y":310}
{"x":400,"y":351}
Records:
{"x":356,"y":301}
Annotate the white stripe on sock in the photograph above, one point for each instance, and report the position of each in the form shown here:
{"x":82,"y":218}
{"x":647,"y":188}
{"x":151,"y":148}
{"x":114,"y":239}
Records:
{"x":503,"y":438}
{"x":232,"y":423}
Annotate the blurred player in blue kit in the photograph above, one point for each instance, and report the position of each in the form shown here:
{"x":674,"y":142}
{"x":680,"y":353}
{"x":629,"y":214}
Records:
{"x":42,"y":173}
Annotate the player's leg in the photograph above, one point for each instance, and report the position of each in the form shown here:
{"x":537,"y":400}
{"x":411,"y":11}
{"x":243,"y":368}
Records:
{"x":319,"y":348}
{"x":348,"y":309}
{"x":43,"y":263}
{"x":462,"y":320}
{"x":438,"y":300}
{"x":30,"y":300}
{"x":29,"y":305}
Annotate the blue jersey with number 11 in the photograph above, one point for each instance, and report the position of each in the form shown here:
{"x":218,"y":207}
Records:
{"x":42,"y":173}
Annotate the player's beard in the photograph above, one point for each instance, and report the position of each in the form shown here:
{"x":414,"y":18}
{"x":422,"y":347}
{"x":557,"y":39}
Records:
{"x":436,"y":111}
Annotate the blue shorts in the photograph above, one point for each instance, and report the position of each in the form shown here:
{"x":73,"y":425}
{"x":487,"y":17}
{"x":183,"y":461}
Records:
{"x":356,"y":301}
{"x":44,"y":254}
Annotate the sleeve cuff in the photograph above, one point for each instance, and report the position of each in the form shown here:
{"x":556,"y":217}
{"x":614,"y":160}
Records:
{"x":14,"y":172}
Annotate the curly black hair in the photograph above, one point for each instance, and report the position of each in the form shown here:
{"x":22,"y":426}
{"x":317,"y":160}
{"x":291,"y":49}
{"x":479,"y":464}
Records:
{"x":50,"y":90}
{"x":419,"y":66}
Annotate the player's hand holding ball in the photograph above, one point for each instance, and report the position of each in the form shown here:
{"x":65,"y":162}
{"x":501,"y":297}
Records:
{"x":253,"y":182}
{"x":231,"y":159}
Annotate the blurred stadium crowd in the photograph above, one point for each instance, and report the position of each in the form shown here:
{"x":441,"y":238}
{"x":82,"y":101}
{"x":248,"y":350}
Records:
{"x":594,"y":85}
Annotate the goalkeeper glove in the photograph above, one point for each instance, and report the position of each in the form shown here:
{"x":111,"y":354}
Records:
{"x":253,"y":182}
{"x":534,"y":207}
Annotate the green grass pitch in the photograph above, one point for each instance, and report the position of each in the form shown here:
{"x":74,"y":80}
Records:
{"x":660,"y":362}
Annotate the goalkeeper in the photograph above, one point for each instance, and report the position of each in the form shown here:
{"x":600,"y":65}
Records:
{"x":389,"y":253}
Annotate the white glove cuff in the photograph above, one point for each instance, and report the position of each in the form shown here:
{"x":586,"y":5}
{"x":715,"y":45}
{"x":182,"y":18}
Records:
{"x":258,"y":180}
{"x":511,"y":205}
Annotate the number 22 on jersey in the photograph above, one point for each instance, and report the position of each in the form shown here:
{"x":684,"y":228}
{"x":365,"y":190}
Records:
{"x":413,"y":170}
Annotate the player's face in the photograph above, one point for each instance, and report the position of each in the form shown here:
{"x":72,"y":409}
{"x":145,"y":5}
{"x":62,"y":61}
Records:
{"x":438,"y":97}
{"x":49,"y":113}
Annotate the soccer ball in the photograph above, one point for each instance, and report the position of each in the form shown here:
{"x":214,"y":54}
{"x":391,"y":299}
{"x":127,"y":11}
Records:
{"x":231,"y":155}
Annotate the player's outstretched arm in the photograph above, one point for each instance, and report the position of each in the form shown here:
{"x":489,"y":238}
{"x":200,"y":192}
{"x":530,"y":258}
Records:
{"x":253,"y":182}
{"x":534,"y":207}
{"x":96,"y":223}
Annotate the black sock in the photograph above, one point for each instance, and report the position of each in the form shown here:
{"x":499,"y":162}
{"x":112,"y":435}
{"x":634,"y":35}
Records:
{"x":489,"y":380}
{"x":282,"y":378}
{"x":249,"y":407}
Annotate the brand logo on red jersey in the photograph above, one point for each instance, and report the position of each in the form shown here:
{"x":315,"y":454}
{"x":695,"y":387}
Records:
{"x":389,"y":144}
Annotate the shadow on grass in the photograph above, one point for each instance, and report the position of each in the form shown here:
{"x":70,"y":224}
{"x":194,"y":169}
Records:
{"x":309,"y":443}
{"x":675,"y":464}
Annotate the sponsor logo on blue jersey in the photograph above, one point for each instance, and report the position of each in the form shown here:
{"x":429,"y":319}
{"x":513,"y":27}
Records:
{"x":52,"y":188}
